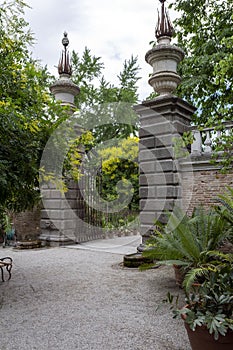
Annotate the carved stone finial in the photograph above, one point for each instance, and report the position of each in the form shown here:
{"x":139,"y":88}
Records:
{"x":65,"y":40}
{"x":164,"y":57}
{"x":64,"y":89}
{"x":164,"y":26}
{"x":64,"y":66}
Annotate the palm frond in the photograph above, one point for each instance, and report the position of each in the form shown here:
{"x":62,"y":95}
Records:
{"x":188,"y":242}
{"x":220,"y":256}
{"x":174,"y":262}
{"x":188,"y":239}
{"x":226,"y":200}
{"x":192,"y":276}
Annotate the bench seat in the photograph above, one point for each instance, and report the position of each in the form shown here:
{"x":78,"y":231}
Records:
{"x":6,"y":263}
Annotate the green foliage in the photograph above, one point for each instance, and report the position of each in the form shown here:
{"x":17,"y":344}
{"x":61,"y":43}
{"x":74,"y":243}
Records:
{"x":85,"y":70}
{"x":73,"y":158}
{"x":128,"y":79}
{"x":226,"y":210}
{"x":186,"y":241}
{"x":96,"y":94}
{"x":5,"y":223}
{"x":119,"y":163}
{"x":94,"y":89}
{"x":181,"y":143}
{"x":211,"y":304}
{"x":214,"y":260}
{"x":208,"y":280}
{"x":123,"y":221}
{"x":204,"y":29}
{"x":28,"y":114}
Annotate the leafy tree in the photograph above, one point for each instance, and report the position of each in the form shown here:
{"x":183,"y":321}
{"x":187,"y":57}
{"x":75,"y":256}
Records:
{"x":85,"y":70}
{"x":87,"y":74}
{"x":105,"y":109}
{"x":204,"y":29}
{"x":27,"y":111}
{"x":29,"y":114}
{"x":205,"y":32}
{"x":119,"y":163}
{"x":97,"y":94}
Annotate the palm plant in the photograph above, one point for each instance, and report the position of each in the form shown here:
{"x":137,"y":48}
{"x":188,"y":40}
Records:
{"x":226,"y":208}
{"x":186,"y":241}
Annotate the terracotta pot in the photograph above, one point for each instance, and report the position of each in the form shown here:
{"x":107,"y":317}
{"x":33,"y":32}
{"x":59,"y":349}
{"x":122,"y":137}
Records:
{"x":201,"y":339}
{"x":179,"y":275}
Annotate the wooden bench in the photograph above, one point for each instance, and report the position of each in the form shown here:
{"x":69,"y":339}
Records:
{"x":6,"y":263}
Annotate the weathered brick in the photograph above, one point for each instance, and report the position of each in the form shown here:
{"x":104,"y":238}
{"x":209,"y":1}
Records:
{"x":27,"y":224}
{"x":205,"y":189}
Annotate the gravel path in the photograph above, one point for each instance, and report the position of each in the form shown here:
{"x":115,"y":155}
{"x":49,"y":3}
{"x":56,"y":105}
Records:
{"x":61,"y":298}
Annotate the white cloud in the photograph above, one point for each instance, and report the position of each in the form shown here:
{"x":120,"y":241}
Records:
{"x":113,"y":30}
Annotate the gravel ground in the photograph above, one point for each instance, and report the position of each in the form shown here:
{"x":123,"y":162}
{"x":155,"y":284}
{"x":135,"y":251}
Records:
{"x":62,"y":298}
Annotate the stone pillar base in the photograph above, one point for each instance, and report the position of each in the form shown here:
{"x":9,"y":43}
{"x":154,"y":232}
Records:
{"x":55,"y":240}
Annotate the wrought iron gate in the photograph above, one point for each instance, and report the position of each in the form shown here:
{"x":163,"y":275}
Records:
{"x":89,"y":223}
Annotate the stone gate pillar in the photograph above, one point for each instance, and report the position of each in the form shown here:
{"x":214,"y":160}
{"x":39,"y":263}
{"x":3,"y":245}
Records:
{"x":162,"y":120}
{"x":58,"y":216}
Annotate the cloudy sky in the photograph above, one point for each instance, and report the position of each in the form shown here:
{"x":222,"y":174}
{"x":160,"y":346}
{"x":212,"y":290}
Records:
{"x":113,"y":30}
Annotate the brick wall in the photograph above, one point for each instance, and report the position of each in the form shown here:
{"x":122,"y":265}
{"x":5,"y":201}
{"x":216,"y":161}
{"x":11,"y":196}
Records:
{"x":27,"y":224}
{"x":207,"y":184}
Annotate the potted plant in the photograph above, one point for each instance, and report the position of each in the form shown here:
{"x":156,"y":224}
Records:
{"x":195,"y":244}
{"x":208,"y":310}
{"x":186,"y":241}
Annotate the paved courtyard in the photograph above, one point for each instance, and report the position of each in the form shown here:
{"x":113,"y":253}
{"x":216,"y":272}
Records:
{"x":81,"y":298}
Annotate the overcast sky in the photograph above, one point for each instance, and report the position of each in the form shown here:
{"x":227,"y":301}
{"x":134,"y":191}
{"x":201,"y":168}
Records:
{"x":113,"y":30}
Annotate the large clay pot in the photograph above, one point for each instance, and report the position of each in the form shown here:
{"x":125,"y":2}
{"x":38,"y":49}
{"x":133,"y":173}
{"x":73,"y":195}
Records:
{"x":201,"y":339}
{"x":179,"y":275}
